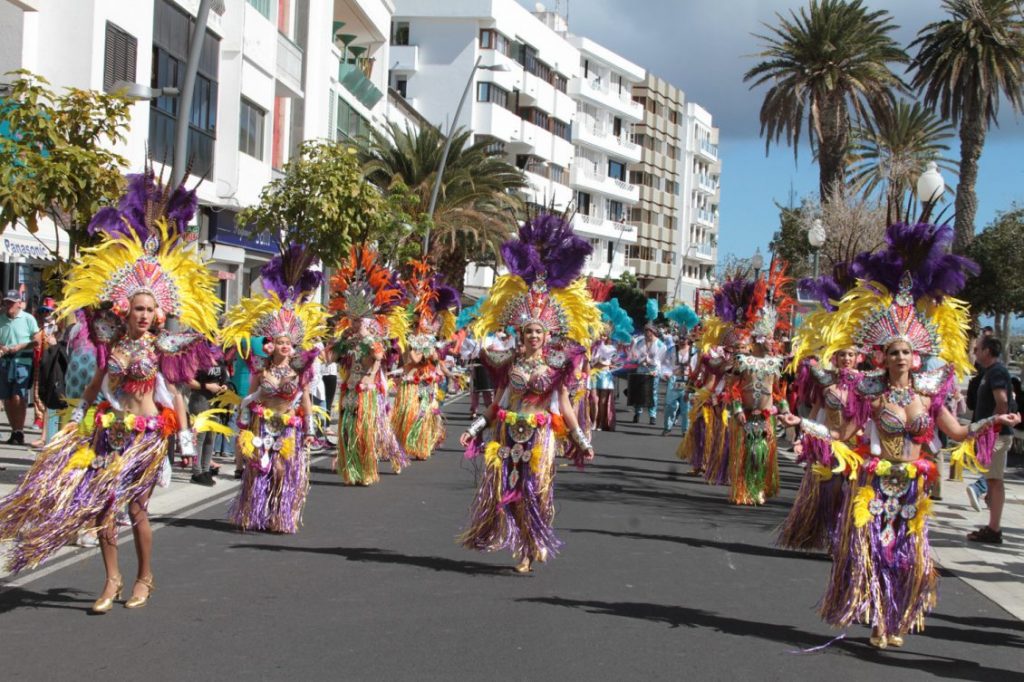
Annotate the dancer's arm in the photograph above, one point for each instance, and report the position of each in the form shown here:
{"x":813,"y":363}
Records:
{"x":307,"y":410}
{"x":572,"y":426}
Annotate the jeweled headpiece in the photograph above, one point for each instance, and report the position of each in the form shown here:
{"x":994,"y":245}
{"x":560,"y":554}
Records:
{"x":430,"y":305}
{"x":544,"y":284}
{"x":143,"y":251}
{"x":288,"y":280}
{"x":369,"y":296}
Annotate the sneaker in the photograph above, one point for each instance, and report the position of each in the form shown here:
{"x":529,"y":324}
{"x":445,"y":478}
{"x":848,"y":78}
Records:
{"x":972,"y":497}
{"x":986,"y":535}
{"x":636,"y":419}
{"x":16,"y":438}
{"x":652,"y":421}
{"x":203,"y":479}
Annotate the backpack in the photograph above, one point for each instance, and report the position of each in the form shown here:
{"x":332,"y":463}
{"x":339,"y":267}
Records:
{"x":52,"y":367}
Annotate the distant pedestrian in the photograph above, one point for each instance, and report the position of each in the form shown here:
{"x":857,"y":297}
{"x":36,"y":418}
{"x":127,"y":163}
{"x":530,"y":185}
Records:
{"x":19,"y":334}
{"x":995,"y":396}
{"x":208,"y":383}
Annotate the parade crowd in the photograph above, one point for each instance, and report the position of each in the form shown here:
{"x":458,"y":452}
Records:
{"x":132,"y":371}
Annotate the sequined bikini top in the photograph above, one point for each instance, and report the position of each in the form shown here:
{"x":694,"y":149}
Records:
{"x":133,"y":364}
{"x":894,"y":423}
{"x":279,"y":382}
{"x":533,"y":379}
{"x":833,"y":401}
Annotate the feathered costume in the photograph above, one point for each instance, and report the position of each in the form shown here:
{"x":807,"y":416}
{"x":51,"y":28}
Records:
{"x":373,"y":326}
{"x":754,"y":392}
{"x":108,"y":457}
{"x":416,"y":414}
{"x":276,"y":417}
{"x":883,"y":573}
{"x":829,"y":392}
{"x":514,"y":505}
{"x":605,"y":357}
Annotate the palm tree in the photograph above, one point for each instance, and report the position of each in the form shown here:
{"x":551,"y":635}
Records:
{"x":963,"y":66}
{"x":477,"y":206}
{"x":889,"y":153}
{"x":830,"y":61}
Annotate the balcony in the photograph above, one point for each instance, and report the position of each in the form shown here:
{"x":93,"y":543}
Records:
{"x":599,"y":226}
{"x":706,"y":217}
{"x":496,"y":121}
{"x":587,"y":177}
{"x":597,"y":135}
{"x":362,"y":88}
{"x":406,"y":58}
{"x":547,"y":187}
{"x":597,"y":91}
{"x":707,"y":149}
{"x":703,"y":252}
{"x":289,"y":67}
{"x":707,"y":183}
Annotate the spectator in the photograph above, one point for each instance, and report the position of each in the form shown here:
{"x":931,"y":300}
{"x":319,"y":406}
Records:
{"x":208,"y":383}
{"x":19,"y":335}
{"x":680,"y":363}
{"x":329,"y":375}
{"x":47,"y":322}
{"x":994,"y":397}
{"x":648,"y":352}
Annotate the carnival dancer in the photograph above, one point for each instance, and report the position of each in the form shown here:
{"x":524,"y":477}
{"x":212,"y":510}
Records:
{"x":704,"y":444}
{"x":276,"y":420}
{"x":605,"y":358}
{"x":369,"y":297}
{"x":901,"y":314}
{"x":111,"y":454}
{"x":829,"y":390}
{"x":542,"y":296}
{"x":416,"y":414}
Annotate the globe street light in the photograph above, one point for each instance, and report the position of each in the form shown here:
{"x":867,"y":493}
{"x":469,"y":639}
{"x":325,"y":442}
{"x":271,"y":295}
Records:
{"x":930,"y":187}
{"x":448,"y":143}
{"x":757,"y":262}
{"x":816,"y":238}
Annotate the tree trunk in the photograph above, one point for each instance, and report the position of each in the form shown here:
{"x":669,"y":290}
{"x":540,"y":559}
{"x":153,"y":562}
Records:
{"x":972,"y":139}
{"x":832,"y":148}
{"x":451,"y":264}
{"x":1005,"y":334}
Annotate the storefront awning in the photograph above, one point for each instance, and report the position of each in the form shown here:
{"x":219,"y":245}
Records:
{"x":18,"y":245}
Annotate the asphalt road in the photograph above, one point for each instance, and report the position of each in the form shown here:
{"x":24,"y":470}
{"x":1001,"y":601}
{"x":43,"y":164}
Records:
{"x":660,"y":578}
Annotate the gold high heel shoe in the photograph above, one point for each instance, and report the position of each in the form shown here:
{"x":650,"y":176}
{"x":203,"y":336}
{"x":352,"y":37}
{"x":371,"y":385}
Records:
{"x":139,"y":602}
{"x":524,"y":565}
{"x":878,"y":641}
{"x":895,"y":641}
{"x":104,"y":604}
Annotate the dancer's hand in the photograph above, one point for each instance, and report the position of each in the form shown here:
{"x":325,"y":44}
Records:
{"x":790,"y":419}
{"x":1011,"y":419}
{"x":590,"y":455}
{"x":465,"y":439}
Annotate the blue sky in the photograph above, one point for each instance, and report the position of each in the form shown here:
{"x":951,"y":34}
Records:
{"x":705,"y":46}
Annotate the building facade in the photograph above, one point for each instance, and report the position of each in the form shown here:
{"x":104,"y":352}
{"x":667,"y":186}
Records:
{"x":272,"y":73}
{"x":678,"y":175}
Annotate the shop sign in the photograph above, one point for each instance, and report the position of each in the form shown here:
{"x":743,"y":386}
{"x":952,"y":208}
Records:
{"x":14,"y":247}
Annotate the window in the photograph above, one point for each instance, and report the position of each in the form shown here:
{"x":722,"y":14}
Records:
{"x":674,"y":117}
{"x":400,"y":33}
{"x":561,"y":129}
{"x":617,"y":170}
{"x":261,"y":6}
{"x":534,"y":116}
{"x":402,"y":86}
{"x":171,"y":30}
{"x":611,"y":252}
{"x":250,"y":129}
{"x":670,"y":222}
{"x":652,"y":106}
{"x":489,"y":92}
{"x":614,"y":210}
{"x":617,"y":126}
{"x":556,"y":173}
{"x":492,"y":40}
{"x":668,"y":257}
{"x":583,"y":203}
{"x":119,"y":57}
{"x":672,"y":187}
{"x":641,"y":100}
{"x":636,"y":215}
{"x":560,"y":82}
{"x":672,"y":151}
{"x":636,"y":178}
{"x":350,"y":124}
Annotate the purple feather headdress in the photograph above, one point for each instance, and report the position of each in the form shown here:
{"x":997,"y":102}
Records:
{"x":290,"y":274}
{"x":923,"y":251}
{"x":828,"y":289}
{"x":145,"y":200}
{"x":732,"y":298}
{"x":547,"y":247}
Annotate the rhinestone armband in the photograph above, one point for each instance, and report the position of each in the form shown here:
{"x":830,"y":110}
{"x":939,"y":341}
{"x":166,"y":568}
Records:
{"x":815,"y":429}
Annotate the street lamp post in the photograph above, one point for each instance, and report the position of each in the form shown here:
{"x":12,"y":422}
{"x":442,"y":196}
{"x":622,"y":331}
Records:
{"x":816,"y":238}
{"x":137,"y":92}
{"x":930,"y":186}
{"x":448,"y":143}
{"x":757,"y":262}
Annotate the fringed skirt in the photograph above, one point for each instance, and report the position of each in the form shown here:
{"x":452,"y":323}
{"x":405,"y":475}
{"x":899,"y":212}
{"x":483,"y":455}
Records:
{"x":692,"y":447}
{"x":717,"y":438}
{"x":80,"y":480}
{"x":275,"y":479}
{"x":514,"y":505}
{"x":753,"y":460}
{"x":416,"y":419}
{"x":364,"y":436}
{"x":812,"y":521}
{"x":882,"y":572}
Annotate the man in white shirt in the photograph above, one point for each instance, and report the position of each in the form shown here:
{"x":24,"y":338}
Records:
{"x":680,"y":361}
{"x":648,"y":352}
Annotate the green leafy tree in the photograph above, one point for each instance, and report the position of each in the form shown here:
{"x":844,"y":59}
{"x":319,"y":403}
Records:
{"x":964,"y":65}
{"x":890,"y":152}
{"x":55,"y":157}
{"x":323,"y":201}
{"x":999,"y":289}
{"x":477,"y":206}
{"x":790,"y":241}
{"x":829,"y":63}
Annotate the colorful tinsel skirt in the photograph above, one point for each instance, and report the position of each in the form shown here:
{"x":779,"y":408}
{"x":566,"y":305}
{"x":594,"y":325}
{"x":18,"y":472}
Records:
{"x":882,"y":572}
{"x":694,"y":444}
{"x":365,"y":436}
{"x":753,"y":459}
{"x":514,"y":507}
{"x":717,"y":439}
{"x":813,"y":519}
{"x":416,"y":419}
{"x":83,"y":476}
{"x":275,"y":478}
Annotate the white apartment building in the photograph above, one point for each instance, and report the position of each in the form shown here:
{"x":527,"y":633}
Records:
{"x":701,"y":186}
{"x":518,"y":99}
{"x":272,"y":73}
{"x":603,"y":136}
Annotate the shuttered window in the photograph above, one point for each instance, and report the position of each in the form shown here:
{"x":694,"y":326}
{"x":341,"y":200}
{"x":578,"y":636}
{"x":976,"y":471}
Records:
{"x":119,"y":57}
